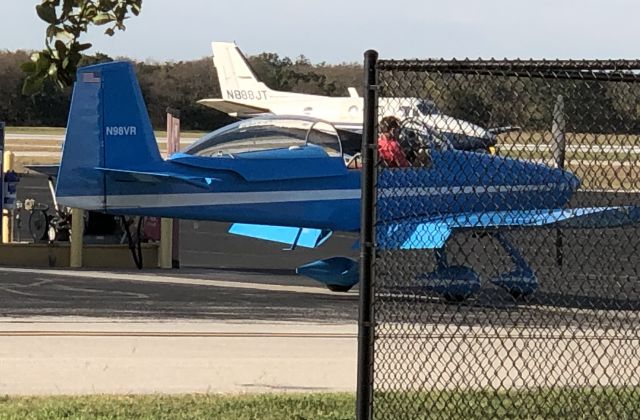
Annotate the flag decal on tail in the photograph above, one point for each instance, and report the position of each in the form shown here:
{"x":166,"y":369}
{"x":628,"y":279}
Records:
{"x":91,"y":77}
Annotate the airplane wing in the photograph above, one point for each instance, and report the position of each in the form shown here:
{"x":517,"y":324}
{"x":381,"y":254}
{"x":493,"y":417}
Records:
{"x":434,"y":233}
{"x":122,"y":175}
{"x":235,"y":109}
{"x":293,"y":236}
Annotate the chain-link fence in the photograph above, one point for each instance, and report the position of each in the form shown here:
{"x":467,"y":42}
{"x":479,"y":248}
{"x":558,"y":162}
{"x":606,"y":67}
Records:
{"x":504,"y":261}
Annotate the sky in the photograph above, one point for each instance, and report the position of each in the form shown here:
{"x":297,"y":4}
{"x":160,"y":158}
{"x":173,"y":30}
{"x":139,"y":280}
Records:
{"x":337,"y":31}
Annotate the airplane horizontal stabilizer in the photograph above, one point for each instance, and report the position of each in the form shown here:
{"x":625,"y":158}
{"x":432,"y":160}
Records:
{"x":123,"y":175}
{"x":47,"y":170}
{"x":233,"y":108}
{"x":294,"y":236}
{"x":434,"y":233}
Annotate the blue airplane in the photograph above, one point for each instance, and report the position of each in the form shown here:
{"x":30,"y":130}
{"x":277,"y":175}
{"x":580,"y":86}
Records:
{"x":286,"y":179}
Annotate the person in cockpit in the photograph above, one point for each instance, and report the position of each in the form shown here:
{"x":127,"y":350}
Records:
{"x":389,"y":149}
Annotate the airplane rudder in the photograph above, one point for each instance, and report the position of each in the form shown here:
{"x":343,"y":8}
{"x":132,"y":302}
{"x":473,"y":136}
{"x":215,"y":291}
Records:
{"x":128,"y":134}
{"x":237,"y":79}
{"x":83,"y":147}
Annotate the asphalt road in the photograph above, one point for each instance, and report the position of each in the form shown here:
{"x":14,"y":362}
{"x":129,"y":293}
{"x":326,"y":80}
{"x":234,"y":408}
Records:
{"x":187,"y":294}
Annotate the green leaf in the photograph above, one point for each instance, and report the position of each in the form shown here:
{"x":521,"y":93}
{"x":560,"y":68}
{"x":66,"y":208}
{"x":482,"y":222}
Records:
{"x":102,"y":19}
{"x":61,"y":48}
{"x":53,"y":70}
{"x":43,"y":62}
{"x":32,"y":85}
{"x":28,"y":67}
{"x":65,"y":36}
{"x":91,"y":14}
{"x":47,"y":12}
{"x":67,"y":7}
{"x":83,"y":47}
{"x":106,"y":5}
{"x":61,"y":83}
{"x":74,"y":55}
{"x":52,"y":31}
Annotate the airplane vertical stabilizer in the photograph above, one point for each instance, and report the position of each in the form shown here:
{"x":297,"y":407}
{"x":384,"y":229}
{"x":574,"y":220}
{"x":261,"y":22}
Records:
{"x":237,"y":80}
{"x":108,"y":127}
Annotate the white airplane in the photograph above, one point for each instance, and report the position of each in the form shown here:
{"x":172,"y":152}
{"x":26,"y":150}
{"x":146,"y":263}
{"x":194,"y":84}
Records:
{"x":243,"y":96}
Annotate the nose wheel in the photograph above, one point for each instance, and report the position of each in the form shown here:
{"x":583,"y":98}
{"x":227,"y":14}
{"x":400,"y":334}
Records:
{"x":456,"y":283}
{"x":338,"y":288}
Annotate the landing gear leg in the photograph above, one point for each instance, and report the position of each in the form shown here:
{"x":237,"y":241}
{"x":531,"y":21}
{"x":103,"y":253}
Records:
{"x":521,"y":281}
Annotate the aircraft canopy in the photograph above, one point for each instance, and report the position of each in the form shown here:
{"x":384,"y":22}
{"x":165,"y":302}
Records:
{"x":268,"y":133}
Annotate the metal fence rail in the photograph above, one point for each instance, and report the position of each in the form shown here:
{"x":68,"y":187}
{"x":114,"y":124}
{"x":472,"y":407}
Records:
{"x":500,"y":269}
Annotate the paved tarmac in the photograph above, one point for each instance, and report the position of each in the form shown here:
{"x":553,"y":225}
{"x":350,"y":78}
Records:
{"x":83,"y":332}
{"x":70,"y":355}
{"x":169,"y":331}
{"x":205,"y":295}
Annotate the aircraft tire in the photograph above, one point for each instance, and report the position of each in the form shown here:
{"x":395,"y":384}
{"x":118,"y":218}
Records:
{"x":338,"y":288}
{"x":517,"y":295}
{"x":452,"y":298}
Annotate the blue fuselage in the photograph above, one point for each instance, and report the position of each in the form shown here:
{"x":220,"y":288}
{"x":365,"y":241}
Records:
{"x":323,"y":193}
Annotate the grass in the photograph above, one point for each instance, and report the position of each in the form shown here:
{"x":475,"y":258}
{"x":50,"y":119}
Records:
{"x":545,"y":137}
{"x":219,"y":407}
{"x":570,"y":155}
{"x":35,"y":130}
{"x":516,"y":404}
{"x":540,"y":403}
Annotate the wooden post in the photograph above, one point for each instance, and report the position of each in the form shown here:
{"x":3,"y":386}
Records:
{"x":164,"y":253}
{"x":77,"y":242}
{"x":169,"y":253}
{"x":173,"y":146}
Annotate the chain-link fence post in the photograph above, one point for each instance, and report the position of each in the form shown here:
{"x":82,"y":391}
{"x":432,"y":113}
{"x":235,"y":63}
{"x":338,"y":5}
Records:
{"x":367,"y":222}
